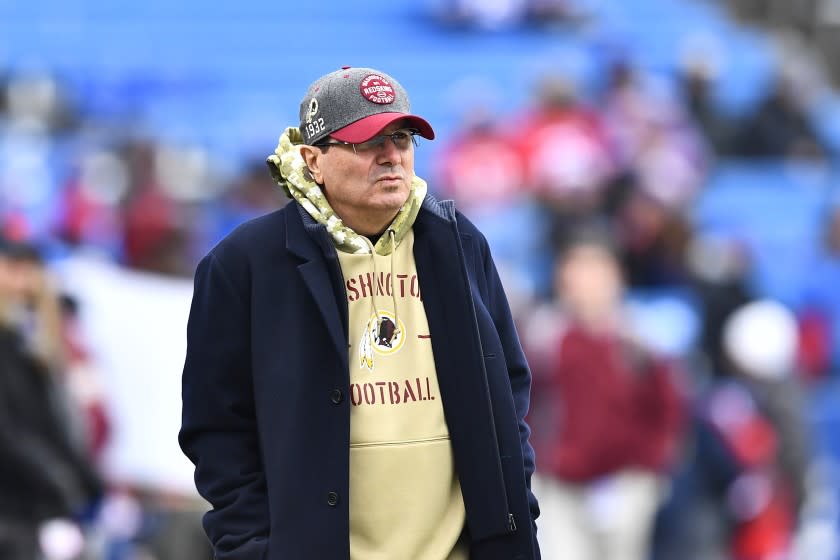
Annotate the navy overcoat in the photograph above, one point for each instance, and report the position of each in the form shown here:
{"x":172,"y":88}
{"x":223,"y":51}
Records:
{"x":266,"y":413}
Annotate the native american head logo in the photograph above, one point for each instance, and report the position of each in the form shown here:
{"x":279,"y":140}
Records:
{"x":383,"y":335}
{"x":387,"y":332}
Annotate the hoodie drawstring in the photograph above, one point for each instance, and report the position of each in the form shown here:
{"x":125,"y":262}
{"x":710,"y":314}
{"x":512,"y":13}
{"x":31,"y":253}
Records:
{"x":393,"y":236}
{"x":374,"y":307}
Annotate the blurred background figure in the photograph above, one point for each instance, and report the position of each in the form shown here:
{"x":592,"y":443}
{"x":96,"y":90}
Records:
{"x":607,"y":415}
{"x":480,"y":166}
{"x":761,"y":341}
{"x":48,"y":484}
{"x":653,"y":137}
{"x":779,"y":126}
{"x":820,"y":301}
{"x":740,"y":491}
{"x":698,"y":75}
{"x":567,"y":156}
{"x":492,"y":15}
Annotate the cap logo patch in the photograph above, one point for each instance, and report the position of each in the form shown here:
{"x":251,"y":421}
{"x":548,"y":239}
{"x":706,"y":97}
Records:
{"x":313,"y":109}
{"x":377,"y":89}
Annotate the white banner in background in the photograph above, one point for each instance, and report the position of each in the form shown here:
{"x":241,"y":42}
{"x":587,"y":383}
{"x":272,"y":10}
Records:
{"x":135,"y":326}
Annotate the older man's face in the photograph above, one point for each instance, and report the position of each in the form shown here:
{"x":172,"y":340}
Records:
{"x":370,"y":184}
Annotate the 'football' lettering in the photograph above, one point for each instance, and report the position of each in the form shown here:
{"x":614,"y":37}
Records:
{"x":391,"y":392}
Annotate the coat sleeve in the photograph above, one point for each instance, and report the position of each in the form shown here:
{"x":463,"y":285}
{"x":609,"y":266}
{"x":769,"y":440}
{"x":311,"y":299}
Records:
{"x":518,"y":371}
{"x":219,"y":427}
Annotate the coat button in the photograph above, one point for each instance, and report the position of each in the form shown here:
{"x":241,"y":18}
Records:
{"x":336,"y":396}
{"x":332,"y":499}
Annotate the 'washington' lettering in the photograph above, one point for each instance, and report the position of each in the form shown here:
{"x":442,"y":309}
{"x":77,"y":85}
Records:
{"x":363,"y":286}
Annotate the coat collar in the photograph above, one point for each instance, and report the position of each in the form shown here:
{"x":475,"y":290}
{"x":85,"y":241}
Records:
{"x":321,"y":273}
{"x":444,"y":209}
{"x":308,"y":239}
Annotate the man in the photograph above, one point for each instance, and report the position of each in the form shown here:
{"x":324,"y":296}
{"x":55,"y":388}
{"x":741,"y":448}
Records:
{"x":354,"y":386}
{"x":609,"y":413}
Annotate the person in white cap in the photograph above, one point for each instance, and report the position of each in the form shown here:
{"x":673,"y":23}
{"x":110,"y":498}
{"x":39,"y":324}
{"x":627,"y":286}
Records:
{"x":354,"y":386}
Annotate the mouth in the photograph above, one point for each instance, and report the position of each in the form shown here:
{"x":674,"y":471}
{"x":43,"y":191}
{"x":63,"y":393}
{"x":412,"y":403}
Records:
{"x":390,"y":182}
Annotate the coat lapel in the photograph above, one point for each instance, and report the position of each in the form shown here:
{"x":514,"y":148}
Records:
{"x":311,"y":243}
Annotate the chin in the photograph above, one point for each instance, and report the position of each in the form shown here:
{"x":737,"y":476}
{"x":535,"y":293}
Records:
{"x":391,"y":197}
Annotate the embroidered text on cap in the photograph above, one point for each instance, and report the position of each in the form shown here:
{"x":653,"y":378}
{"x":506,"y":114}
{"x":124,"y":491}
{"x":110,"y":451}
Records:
{"x":377,"y":89}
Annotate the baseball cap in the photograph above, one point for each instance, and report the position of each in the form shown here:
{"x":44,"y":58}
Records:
{"x":354,"y":105}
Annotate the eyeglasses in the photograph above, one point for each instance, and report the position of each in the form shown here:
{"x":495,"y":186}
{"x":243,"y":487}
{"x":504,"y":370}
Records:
{"x":402,"y":139}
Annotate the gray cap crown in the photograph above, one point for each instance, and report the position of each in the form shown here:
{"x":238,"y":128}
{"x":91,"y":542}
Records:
{"x":339,"y":98}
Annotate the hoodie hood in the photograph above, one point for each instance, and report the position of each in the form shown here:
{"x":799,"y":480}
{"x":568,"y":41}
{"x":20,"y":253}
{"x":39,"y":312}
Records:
{"x":290,"y":172}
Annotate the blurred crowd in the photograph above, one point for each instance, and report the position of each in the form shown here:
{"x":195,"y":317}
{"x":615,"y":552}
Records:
{"x":693,"y":442}
{"x":688,"y":443}
{"x":679,"y":445}
{"x":69,"y":186}
{"x":76,"y":181}
{"x":506,"y":14}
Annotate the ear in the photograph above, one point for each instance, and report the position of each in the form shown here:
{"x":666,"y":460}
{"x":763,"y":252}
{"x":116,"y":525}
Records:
{"x":311,"y":157}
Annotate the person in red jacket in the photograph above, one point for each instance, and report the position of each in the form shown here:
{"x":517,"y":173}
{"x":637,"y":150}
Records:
{"x":608,"y":415}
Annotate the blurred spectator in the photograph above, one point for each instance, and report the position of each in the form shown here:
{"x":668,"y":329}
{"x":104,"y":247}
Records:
{"x":4,"y":105}
{"x":251,"y":194}
{"x":83,"y":382}
{"x":27,"y":177}
{"x":495,"y":15}
{"x":490,"y":15}
{"x":607,"y":418}
{"x":761,"y":341}
{"x":654,"y":139}
{"x":819,"y":305}
{"x":567,"y":156}
{"x":653,"y":238}
{"x":48,"y":484}
{"x":87,"y":213}
{"x":35,"y":97}
{"x":670,"y":163}
{"x":718,"y":274}
{"x":480,"y":167}
{"x":31,"y":305}
{"x":547,"y":12}
{"x":627,"y":108}
{"x":741,"y":490}
{"x":697,"y":79}
{"x":780,"y":127}
{"x":156,"y":239}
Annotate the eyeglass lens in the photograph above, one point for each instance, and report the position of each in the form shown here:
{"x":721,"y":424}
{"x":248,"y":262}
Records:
{"x":402,"y":139}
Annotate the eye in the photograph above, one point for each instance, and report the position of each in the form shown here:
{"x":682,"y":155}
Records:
{"x":401,"y":138}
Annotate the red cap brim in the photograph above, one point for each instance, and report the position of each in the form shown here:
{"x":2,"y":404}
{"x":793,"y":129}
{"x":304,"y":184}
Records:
{"x":364,"y":129}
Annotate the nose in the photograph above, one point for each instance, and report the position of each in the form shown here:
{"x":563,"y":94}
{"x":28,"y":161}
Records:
{"x":388,"y":153}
